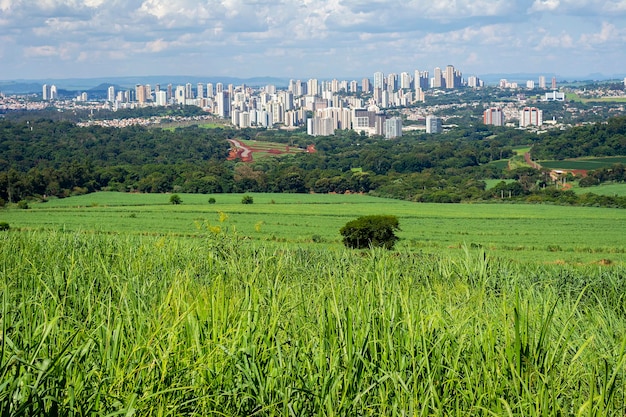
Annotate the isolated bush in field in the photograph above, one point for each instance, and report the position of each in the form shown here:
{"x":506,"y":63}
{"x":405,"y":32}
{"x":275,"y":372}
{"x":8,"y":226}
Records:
{"x":211,"y":200}
{"x":4,"y":226}
{"x":247,"y":199}
{"x":23,"y":204}
{"x":370,"y":231}
{"x":2,"y":202}
{"x":175,"y":199}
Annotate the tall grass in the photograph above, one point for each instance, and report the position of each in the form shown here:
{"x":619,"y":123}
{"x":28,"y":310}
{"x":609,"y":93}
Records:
{"x":96,"y":324}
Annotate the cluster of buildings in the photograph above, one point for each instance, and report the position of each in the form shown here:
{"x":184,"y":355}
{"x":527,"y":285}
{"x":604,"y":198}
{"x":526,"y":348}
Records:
{"x":323,"y":106}
{"x":528,"y":116}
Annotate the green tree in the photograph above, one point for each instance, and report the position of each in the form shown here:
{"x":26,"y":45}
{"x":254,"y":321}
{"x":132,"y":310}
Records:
{"x":371,"y":231}
{"x":175,"y":199}
{"x":247,"y":199}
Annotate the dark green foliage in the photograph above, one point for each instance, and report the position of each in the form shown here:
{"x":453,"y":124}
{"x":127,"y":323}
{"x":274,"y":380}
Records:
{"x":600,"y":139}
{"x":4,"y":226}
{"x":370,"y":231}
{"x":212,"y":200}
{"x":23,"y":204}
{"x":175,"y":199}
{"x":247,"y":199}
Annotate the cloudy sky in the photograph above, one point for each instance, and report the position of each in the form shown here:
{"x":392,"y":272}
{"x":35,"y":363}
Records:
{"x":308,"y":38}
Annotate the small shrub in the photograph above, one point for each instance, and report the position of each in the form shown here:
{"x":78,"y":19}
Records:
{"x":211,"y":200}
{"x":247,"y":199}
{"x":23,"y":204}
{"x":4,"y":226}
{"x":317,"y":239}
{"x":175,"y":199}
{"x":2,"y":202}
{"x":370,"y":231}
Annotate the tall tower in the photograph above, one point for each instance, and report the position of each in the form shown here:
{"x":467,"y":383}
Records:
{"x":542,"y":81}
{"x":379,"y":80}
{"x":45,"y":92}
{"x":450,"y":77}
{"x":366,"y":87}
{"x":493,"y":116}
{"x":111,"y":94}
{"x":437,"y":78}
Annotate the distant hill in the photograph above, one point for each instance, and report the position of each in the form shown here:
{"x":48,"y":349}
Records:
{"x":124,"y":83}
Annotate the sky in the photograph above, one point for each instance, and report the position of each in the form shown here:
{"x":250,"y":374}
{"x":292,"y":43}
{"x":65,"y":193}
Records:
{"x":301,"y":39}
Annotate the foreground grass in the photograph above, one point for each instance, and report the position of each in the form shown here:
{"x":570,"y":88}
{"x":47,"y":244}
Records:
{"x":95,"y":324}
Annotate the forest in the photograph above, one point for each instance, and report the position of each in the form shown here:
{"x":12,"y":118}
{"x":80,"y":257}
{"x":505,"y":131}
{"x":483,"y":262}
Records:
{"x":44,"y":158}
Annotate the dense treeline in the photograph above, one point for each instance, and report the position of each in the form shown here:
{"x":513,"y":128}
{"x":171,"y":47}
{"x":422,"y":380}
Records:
{"x":599,"y":139}
{"x":47,"y":158}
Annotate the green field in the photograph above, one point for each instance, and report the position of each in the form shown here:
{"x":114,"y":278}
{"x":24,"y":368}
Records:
{"x":587,"y":163}
{"x":603,"y":189}
{"x":131,"y":325}
{"x":529,"y":233}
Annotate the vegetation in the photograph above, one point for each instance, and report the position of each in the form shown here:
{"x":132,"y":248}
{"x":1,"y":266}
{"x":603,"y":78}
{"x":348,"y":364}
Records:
{"x":371,"y":231}
{"x":4,"y":226}
{"x":520,"y":232}
{"x":175,"y":199}
{"x":122,"y":324}
{"x":247,"y":199}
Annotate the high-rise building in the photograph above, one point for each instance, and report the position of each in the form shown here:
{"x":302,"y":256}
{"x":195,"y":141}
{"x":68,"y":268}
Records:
{"x":223,"y":104}
{"x":379,"y":80}
{"x":140,"y":93}
{"x":209,"y":90}
{"x":200,"y":90}
{"x":393,"y":128}
{"x":354,"y":86}
{"x":405,"y":80}
{"x":554,"y":83}
{"x":493,"y":116}
{"x":45,"y":92}
{"x":111,"y":94}
{"x":53,"y":92}
{"x":530,"y":84}
{"x":170,"y":93}
{"x":188,"y":91}
{"x":530,"y":116}
{"x":219,"y":87}
{"x":366,"y":87}
{"x":392,"y":82}
{"x":312,"y":87}
{"x":180,"y":94}
{"x":542,"y":81}
{"x":161,"y":98}
{"x":450,"y":77}
{"x":437,"y":81}
{"x":433,"y":124}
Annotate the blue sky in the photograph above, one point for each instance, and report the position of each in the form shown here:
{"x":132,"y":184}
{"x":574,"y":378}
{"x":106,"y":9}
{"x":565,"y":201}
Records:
{"x":308,"y":38}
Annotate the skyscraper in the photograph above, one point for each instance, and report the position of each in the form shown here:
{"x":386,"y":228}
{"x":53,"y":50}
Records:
{"x":366,"y":87}
{"x":405,"y":80}
{"x":450,"y":78}
{"x":437,"y":81}
{"x":493,"y":116}
{"x":530,"y":116}
{"x":45,"y":92}
{"x":393,"y":128}
{"x":433,"y":124}
{"x":200,"y":90}
{"x":111,"y":94}
{"x":542,"y":81}
{"x":379,"y":80}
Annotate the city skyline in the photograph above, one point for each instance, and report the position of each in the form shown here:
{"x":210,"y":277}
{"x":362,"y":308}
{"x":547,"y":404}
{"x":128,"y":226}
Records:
{"x":56,"y":39}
